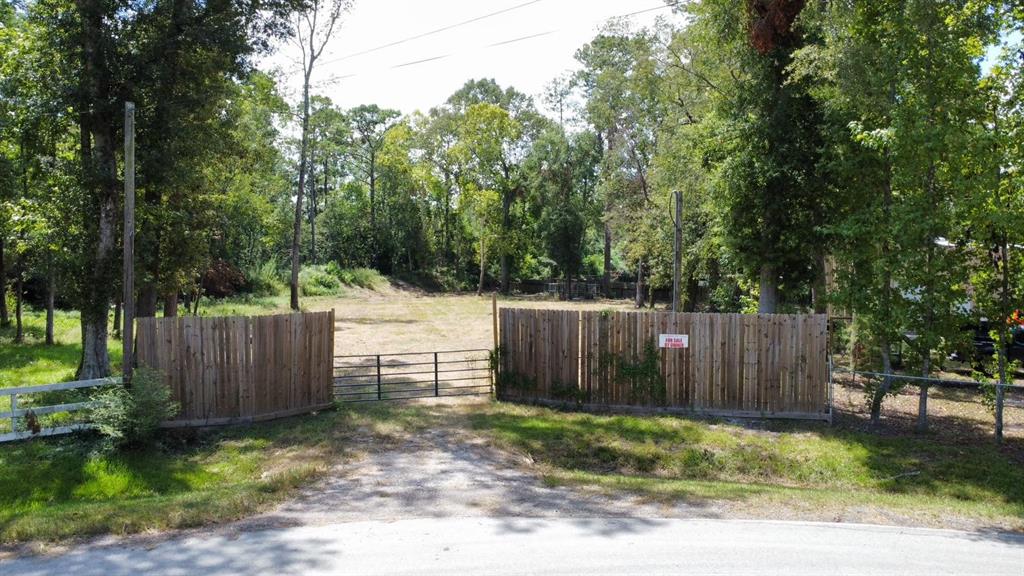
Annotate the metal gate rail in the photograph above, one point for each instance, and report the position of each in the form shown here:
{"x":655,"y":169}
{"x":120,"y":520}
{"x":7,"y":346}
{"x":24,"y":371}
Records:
{"x":383,"y":377}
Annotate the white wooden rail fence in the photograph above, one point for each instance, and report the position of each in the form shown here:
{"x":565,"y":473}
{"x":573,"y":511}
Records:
{"x":15,"y":413}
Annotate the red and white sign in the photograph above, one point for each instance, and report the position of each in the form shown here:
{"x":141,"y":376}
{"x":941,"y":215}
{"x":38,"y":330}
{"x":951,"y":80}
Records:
{"x":674,"y":341}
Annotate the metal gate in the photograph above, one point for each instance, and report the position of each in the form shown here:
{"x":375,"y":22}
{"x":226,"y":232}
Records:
{"x":411,"y":375}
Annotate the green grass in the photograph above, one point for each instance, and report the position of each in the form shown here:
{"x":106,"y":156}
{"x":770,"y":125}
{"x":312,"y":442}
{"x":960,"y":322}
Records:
{"x":245,"y":305}
{"x":678,"y":458}
{"x":33,"y":362}
{"x":58,"y":488}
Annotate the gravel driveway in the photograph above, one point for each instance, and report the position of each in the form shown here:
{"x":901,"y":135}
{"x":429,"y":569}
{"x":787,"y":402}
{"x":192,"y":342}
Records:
{"x":442,"y":472}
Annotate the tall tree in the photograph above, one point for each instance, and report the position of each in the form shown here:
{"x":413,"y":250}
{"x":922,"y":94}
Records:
{"x":563,"y":177}
{"x":772,"y":202}
{"x":621,"y":84}
{"x":315,"y":24}
{"x":902,"y":78}
{"x":369,"y":126}
{"x":186,"y":58}
{"x":99,"y":108}
{"x":329,"y":142}
{"x":496,"y":130}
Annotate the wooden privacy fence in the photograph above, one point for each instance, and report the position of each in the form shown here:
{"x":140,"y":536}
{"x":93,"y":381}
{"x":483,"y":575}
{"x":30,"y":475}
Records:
{"x":765,"y":365}
{"x":240,"y":369}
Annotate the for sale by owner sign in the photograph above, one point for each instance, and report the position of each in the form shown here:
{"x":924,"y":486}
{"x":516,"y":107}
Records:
{"x":674,"y":340}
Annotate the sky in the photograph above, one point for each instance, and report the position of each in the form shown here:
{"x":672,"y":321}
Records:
{"x":491,"y":47}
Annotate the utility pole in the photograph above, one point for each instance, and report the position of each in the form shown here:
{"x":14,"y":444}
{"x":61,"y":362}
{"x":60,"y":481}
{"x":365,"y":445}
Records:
{"x":678,"y":220}
{"x":128,"y":333}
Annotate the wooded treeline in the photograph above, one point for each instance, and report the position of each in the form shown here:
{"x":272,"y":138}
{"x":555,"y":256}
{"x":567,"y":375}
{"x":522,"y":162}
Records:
{"x":879,"y":140}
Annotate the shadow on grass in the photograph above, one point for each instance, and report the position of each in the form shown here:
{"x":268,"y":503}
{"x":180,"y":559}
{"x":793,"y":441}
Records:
{"x":58,"y":487}
{"x":679,"y":457}
{"x":18,"y":356}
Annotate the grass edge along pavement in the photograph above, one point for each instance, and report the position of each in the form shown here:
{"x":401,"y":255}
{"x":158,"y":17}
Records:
{"x":792,"y":469}
{"x":57,"y":488}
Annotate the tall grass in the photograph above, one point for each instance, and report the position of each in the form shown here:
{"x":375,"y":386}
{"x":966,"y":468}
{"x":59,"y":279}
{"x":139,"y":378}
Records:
{"x":367,"y":278}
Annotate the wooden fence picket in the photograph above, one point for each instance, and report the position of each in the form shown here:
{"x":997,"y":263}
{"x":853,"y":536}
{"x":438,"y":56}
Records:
{"x":748,"y":365}
{"x":224,"y":370}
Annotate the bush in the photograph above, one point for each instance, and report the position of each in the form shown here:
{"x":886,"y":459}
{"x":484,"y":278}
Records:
{"x":264,"y":281}
{"x":222,"y":279}
{"x":367,"y":278}
{"x":363,"y":278}
{"x":317,"y":281}
{"x":131,"y":417}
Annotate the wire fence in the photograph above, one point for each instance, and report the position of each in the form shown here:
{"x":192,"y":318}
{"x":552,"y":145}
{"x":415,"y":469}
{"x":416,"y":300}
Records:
{"x":1002,"y":402}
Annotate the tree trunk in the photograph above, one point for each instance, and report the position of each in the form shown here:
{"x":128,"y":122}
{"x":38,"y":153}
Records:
{"x":5,"y":317}
{"x":768,"y":300}
{"x":51,"y":296}
{"x":297,"y":231}
{"x":922,"y":399}
{"x":171,"y":305}
{"x":445,"y":223}
{"x":311,"y":209}
{"x":374,"y":257}
{"x":818,"y":289}
{"x":886,"y":289}
{"x":19,"y":331}
{"x":145,"y":307}
{"x":692,"y":288}
{"x":97,"y":121}
{"x":483,"y":262}
{"x":885,"y":386}
{"x":116,"y":332}
{"x":640,"y":285}
{"x":1003,"y":340}
{"x":606,"y":279}
{"x":506,"y":225}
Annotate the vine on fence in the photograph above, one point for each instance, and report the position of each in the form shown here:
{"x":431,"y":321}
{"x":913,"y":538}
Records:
{"x":642,"y":374}
{"x":568,"y":392}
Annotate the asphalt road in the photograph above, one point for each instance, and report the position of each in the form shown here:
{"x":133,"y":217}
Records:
{"x":492,"y":546}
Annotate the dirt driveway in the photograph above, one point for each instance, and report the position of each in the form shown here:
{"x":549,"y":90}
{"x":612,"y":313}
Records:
{"x":444,"y":470}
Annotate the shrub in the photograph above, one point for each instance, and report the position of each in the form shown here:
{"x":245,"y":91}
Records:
{"x":317,"y":281}
{"x":363,"y":277}
{"x":367,"y":278}
{"x":222,"y":279}
{"x":264,"y":280}
{"x":131,"y":417}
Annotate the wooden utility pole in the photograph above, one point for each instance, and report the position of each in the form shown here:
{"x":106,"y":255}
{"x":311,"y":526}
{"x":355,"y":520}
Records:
{"x":676,"y":254}
{"x":128,"y":333}
{"x":494,"y":318}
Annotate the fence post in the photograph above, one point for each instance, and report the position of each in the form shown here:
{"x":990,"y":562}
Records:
{"x":1000,"y":393}
{"x":14,"y":409}
{"x":437,"y":383}
{"x":380,"y":395}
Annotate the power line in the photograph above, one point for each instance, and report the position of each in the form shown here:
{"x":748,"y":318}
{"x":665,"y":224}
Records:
{"x":336,"y":78}
{"x":432,"y":32}
{"x":520,"y":39}
{"x":423,"y":61}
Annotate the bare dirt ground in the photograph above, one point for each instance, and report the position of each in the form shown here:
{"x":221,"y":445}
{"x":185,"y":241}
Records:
{"x":398,"y":321}
{"x":447,"y":471}
{"x":954,"y":414}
